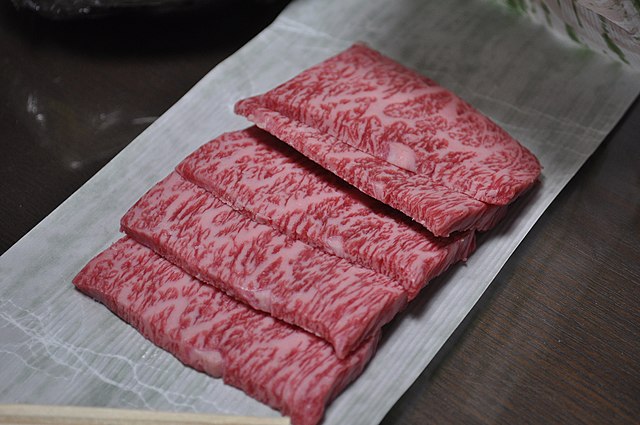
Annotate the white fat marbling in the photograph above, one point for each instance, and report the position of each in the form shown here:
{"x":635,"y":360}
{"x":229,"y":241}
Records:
{"x":58,"y":346}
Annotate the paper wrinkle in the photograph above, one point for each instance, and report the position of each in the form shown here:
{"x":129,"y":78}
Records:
{"x":303,"y":29}
{"x":57,"y":345}
{"x":74,"y":358}
{"x":536,"y":113}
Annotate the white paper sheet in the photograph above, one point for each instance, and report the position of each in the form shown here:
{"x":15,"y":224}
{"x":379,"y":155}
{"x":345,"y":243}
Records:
{"x":58,"y":346}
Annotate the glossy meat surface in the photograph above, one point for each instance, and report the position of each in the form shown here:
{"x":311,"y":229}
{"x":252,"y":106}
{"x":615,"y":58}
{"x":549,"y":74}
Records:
{"x":278,"y":364}
{"x":380,"y":107}
{"x":254,"y":172}
{"x":376,"y":106}
{"x":441,"y":210}
{"x":260,"y":266}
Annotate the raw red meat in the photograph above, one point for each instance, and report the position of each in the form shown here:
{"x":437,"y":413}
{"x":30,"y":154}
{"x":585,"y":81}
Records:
{"x":440,"y":210}
{"x":379,"y":107}
{"x":260,"y":266}
{"x":278,"y":364}
{"x":254,"y":172}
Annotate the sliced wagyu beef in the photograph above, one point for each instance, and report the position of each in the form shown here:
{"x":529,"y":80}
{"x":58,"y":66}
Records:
{"x":273,"y":260}
{"x":254,"y":172}
{"x":276,"y":363}
{"x":383,"y":128}
{"x":324,"y":294}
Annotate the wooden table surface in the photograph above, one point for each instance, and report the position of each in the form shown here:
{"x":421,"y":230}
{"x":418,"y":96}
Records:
{"x":555,"y":339}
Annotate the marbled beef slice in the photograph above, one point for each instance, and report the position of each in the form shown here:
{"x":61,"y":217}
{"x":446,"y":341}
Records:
{"x":260,"y":266}
{"x":377,"y":106}
{"x":276,"y":363}
{"x":255,"y":173}
{"x":441,"y":210}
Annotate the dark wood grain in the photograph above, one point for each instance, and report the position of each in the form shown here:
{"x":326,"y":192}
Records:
{"x":555,"y":339}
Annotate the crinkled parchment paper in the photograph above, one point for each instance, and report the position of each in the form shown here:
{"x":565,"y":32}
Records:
{"x":58,"y":346}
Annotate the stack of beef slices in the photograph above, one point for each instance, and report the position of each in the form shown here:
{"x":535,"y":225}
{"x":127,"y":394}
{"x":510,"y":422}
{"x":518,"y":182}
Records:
{"x":273,"y":256}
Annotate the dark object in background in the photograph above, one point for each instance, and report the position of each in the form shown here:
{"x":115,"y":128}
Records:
{"x":75,"y":9}
{"x":75,"y":91}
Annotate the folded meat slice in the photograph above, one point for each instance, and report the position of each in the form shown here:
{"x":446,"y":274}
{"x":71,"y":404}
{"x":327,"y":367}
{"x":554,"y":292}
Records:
{"x":262,"y":267}
{"x":277,"y":364}
{"x":379,"y":107}
{"x":254,"y":172}
{"x":440,"y":210}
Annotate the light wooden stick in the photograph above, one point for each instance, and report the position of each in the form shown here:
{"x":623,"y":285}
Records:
{"x":30,"y":414}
